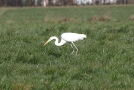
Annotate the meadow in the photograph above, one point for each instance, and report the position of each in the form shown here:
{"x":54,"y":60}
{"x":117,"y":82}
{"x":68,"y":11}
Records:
{"x":105,"y":60}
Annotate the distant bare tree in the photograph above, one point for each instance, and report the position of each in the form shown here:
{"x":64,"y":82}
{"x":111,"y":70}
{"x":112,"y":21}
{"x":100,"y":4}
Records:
{"x":122,"y":1}
{"x":70,"y":2}
{"x":23,"y":2}
{"x":130,"y":1}
{"x":1,"y":2}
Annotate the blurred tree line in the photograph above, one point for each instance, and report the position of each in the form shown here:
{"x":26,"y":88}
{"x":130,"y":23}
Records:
{"x":125,"y":1}
{"x":19,"y":2}
{"x":39,"y":2}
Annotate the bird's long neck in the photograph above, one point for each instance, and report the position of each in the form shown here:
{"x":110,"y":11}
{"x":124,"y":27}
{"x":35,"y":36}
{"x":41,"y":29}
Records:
{"x":57,"y":43}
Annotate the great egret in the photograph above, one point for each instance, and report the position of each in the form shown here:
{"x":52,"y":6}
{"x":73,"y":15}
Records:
{"x":67,"y":37}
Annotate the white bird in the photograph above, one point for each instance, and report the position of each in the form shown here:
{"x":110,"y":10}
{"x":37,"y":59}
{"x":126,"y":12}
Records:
{"x":67,"y":37}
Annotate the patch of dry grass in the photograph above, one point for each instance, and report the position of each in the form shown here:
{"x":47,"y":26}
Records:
{"x":104,"y":17}
{"x":47,"y":19}
{"x":131,"y":18}
{"x":3,"y":10}
{"x":67,"y":20}
{"x":94,"y":18}
{"x":20,"y":86}
{"x":9,"y":21}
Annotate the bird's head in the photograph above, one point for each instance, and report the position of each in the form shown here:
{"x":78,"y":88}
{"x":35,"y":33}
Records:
{"x":50,"y":39}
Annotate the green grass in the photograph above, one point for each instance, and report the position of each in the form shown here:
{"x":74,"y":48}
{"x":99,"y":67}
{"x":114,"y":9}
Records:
{"x":105,"y":60}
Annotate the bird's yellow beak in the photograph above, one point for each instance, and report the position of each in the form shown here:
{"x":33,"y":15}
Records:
{"x":47,"y":42}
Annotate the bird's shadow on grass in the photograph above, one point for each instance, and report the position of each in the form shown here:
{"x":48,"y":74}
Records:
{"x":57,"y":55}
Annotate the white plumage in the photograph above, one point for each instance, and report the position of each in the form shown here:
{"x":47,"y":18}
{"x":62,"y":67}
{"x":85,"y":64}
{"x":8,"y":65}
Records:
{"x":72,"y":37}
{"x":67,"y":37}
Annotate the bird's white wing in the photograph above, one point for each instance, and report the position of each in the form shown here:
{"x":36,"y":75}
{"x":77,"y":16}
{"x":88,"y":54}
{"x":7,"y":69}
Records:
{"x":72,"y":37}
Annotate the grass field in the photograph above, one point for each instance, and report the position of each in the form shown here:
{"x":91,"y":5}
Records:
{"x":105,"y":60}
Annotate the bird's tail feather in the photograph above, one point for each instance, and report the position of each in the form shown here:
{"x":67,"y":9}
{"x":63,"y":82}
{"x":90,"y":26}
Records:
{"x":84,"y":36}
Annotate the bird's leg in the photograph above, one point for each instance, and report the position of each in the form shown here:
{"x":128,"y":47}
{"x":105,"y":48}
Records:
{"x":75,"y":47}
